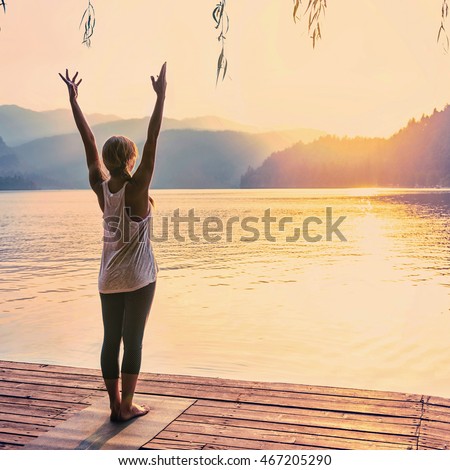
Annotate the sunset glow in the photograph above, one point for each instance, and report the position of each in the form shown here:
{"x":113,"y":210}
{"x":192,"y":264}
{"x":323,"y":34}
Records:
{"x":377,"y":66}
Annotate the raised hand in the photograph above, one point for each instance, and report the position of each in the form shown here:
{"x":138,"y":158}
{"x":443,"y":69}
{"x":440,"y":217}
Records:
{"x":160,"y":84}
{"x":71,"y":85}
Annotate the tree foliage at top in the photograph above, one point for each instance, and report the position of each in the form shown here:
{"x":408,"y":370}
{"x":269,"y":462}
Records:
{"x":314,"y":11}
{"x":89,"y":24}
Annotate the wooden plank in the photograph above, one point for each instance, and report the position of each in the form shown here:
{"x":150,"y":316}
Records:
{"x":22,"y":427}
{"x":59,"y":405}
{"x":56,"y":376}
{"x":55,"y":409}
{"x":433,"y":443}
{"x":406,"y":421}
{"x":173,"y":386}
{"x":38,"y":394}
{"x":276,"y":396}
{"x":410,"y":409}
{"x":6,"y":438}
{"x":326,"y":422}
{"x":21,"y":376}
{"x":28,"y":410}
{"x":37,"y":381}
{"x":27,"y":419}
{"x":31,"y":404}
{"x":242,"y":443}
{"x":22,"y":431}
{"x":282,"y":387}
{"x":441,"y":432}
{"x":228,"y":447}
{"x":168,"y":444}
{"x":442,"y":439}
{"x":445,"y":402}
{"x":216,"y":381}
{"x":55,"y":389}
{"x":281,"y":437}
{"x":18,"y":365}
{"x":426,"y":424}
{"x":432,"y":414}
{"x":57,"y":394}
{"x":413,"y":411}
{"x":33,"y":396}
{"x":197,"y":391}
{"x":396,"y":408}
{"x":297,"y":429}
{"x":10,"y":446}
{"x":67,"y":380}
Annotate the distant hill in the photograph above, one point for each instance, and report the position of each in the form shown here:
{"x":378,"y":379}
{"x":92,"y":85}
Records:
{"x":136,"y":129}
{"x":8,"y":159}
{"x":16,"y":182}
{"x":11,"y":176}
{"x":186,"y":158}
{"x":209,"y":159}
{"x":19,"y":125}
{"x":416,"y":156}
{"x":211,"y":123}
{"x":197,"y":152}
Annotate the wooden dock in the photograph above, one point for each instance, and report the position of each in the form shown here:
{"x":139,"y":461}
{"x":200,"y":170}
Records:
{"x":230,"y":414}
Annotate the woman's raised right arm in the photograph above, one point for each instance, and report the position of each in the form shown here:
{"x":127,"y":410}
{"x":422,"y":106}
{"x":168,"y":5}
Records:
{"x":144,"y":173}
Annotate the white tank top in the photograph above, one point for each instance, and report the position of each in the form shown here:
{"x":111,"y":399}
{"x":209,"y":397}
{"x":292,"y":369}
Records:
{"x":127,"y":262}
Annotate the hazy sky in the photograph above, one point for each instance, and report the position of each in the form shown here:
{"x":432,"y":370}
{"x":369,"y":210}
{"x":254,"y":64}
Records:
{"x":377,"y":65}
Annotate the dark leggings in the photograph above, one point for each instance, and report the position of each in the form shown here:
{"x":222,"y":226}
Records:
{"x":124,"y":315}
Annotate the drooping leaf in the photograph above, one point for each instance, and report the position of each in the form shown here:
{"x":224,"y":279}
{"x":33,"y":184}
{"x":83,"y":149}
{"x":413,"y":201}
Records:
{"x":222,"y":21}
{"x":89,"y":23}
{"x":219,"y":65}
{"x":297,"y":4}
{"x":225,"y":68}
{"x":216,"y":13}
{"x":82,"y":18}
{"x":315,"y":9}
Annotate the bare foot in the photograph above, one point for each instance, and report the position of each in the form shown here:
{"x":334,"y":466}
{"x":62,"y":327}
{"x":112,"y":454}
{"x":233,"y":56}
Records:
{"x":115,"y":413}
{"x":133,"y":412}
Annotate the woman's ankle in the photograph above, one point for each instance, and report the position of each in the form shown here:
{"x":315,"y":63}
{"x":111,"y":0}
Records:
{"x":126,"y":404}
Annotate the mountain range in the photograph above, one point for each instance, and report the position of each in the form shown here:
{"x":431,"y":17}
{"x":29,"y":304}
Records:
{"x":211,"y":152}
{"x":19,"y":125}
{"x":418,"y":155}
{"x":202,"y":152}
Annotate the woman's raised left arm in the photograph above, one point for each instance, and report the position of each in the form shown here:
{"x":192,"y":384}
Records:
{"x":94,"y":164}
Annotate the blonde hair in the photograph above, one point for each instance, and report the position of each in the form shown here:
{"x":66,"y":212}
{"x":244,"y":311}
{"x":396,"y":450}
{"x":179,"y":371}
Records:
{"x":119,"y":154}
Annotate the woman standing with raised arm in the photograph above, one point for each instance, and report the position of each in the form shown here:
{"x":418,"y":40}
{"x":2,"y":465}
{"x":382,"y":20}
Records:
{"x":128,"y":269}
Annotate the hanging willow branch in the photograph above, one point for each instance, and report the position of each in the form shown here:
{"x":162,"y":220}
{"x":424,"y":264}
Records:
{"x":3,"y":4}
{"x":442,"y":34}
{"x":89,"y":23}
{"x":220,"y":16}
{"x":316,"y":8}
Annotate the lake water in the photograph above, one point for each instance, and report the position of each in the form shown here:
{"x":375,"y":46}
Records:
{"x":370,"y":312}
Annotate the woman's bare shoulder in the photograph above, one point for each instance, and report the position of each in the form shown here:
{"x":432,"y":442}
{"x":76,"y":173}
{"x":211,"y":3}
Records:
{"x":134,"y":186}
